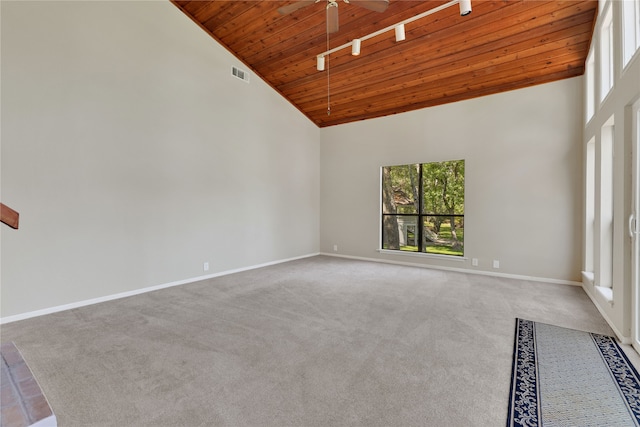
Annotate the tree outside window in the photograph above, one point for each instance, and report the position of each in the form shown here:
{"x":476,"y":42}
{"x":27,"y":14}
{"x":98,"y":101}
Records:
{"x":423,"y":208}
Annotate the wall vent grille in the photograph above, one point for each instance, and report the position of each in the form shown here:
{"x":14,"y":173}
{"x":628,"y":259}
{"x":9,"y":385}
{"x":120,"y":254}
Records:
{"x":240,"y":73}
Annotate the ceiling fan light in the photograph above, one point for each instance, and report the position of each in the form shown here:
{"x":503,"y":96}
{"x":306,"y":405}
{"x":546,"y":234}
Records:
{"x":355,"y":47}
{"x":465,"y":7}
{"x":320,"y":63}
{"x":400,"y":33}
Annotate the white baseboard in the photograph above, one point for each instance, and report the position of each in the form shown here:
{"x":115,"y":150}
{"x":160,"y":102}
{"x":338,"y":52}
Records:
{"x":461,"y":270}
{"x":624,"y":339}
{"x":56,"y":309}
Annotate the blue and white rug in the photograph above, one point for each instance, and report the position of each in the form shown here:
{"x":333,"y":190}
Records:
{"x":563,"y":377}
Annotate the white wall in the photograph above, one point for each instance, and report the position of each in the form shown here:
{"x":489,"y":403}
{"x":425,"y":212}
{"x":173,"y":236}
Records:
{"x":523,"y":199}
{"x":133,"y":156}
{"x":617,"y":106}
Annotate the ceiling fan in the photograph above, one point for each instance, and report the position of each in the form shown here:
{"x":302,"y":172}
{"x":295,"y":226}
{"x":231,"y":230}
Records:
{"x":332,"y":9}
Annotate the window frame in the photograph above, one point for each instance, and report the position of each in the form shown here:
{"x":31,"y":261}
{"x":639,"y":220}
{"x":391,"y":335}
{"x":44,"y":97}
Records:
{"x":420,"y":216}
{"x":629,"y":53}
{"x":604,"y":217}
{"x":590,"y":205}
{"x":606,"y":53}
{"x":590,"y":82}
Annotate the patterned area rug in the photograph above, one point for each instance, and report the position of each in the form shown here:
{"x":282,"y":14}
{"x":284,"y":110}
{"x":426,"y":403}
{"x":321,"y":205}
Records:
{"x":563,"y":377}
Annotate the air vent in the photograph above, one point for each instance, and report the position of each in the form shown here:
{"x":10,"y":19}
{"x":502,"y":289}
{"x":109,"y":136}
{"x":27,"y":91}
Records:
{"x":241,"y":74}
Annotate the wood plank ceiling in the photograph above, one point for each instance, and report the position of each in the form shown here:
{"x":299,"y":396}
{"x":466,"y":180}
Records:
{"x":500,"y":46}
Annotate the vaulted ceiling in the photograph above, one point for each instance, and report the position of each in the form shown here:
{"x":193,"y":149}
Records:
{"x":500,"y":46}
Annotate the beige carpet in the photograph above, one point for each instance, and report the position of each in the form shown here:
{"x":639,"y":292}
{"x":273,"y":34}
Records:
{"x":316,"y":342}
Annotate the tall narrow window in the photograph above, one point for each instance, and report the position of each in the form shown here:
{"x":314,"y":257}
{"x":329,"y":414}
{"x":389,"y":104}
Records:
{"x":590,"y":206}
{"x":423,"y":208}
{"x":606,"y":54}
{"x":591,"y":86}
{"x":630,"y":29}
{"x":604,"y":260}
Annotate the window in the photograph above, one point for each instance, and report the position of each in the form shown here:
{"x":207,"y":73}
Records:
{"x":423,"y":208}
{"x":630,"y":29}
{"x":606,"y":54}
{"x":590,"y":203}
{"x":604,"y":262}
{"x":591,"y":85}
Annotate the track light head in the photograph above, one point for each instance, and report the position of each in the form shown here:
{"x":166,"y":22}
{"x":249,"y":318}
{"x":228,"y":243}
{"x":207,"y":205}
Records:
{"x":355,"y":47}
{"x":320,"y":63}
{"x":465,"y":7}
{"x":400,"y":33}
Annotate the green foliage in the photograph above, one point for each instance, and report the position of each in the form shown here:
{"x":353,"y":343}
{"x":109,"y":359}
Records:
{"x":442,"y":195}
{"x":404,"y":182}
{"x":443,"y":187}
{"x":438,"y":250}
{"x":444,"y":250}
{"x":445,"y":232}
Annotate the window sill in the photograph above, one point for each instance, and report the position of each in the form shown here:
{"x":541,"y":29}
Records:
{"x":588,"y":278}
{"x":628,"y":65}
{"x":606,"y":293}
{"x":423,"y":255}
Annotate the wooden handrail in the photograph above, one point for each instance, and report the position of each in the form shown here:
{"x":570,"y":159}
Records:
{"x":9,"y":216}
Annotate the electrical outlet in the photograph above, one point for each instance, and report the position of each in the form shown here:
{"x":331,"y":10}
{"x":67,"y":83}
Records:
{"x":335,"y":248}
{"x":474,"y":262}
{"x":205,"y":266}
{"x":496,"y":263}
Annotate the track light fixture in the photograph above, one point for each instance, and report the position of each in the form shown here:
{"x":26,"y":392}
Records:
{"x":400,"y":32}
{"x":465,"y":9}
{"x":355,"y":47}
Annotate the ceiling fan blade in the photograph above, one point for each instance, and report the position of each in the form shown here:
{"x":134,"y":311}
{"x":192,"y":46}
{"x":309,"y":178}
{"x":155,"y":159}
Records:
{"x":332,"y":18}
{"x":375,"y":5}
{"x":285,"y":10}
